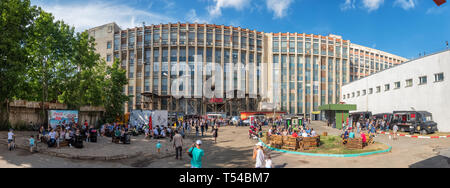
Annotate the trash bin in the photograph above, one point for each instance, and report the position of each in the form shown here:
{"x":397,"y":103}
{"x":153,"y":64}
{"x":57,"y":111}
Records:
{"x":78,"y":141}
{"x":93,"y":135}
{"x":127,"y":138}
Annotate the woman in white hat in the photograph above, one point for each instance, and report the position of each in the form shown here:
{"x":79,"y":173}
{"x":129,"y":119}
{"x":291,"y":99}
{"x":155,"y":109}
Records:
{"x":258,"y":155}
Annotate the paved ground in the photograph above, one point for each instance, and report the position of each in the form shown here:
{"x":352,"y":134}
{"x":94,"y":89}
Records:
{"x":234,"y":149}
{"x":406,"y":152}
{"x":103,"y":147}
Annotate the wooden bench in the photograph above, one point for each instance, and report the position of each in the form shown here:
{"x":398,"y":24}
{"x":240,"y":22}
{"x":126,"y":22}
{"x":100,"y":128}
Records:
{"x":355,"y":143}
{"x":290,"y":143}
{"x":309,"y":143}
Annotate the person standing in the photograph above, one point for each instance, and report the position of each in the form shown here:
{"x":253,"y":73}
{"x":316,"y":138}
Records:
{"x":358,"y":126}
{"x":395,"y":129}
{"x":10,"y":139}
{"x":258,"y":155}
{"x":197,"y":154}
{"x":178,"y":144}
{"x":215,"y":131}
{"x":196,"y":130}
{"x":202,"y":127}
{"x":158,"y":147}
{"x":32,"y":143}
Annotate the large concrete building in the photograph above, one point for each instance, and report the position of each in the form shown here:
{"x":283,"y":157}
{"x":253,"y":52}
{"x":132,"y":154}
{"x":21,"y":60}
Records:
{"x":419,"y":85}
{"x":295,"y":72}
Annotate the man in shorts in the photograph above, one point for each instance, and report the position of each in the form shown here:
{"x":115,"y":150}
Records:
{"x":10,"y":139}
{"x":395,"y":129}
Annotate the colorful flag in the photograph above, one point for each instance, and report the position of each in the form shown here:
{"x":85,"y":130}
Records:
{"x":150,"y":122}
{"x":439,"y":2}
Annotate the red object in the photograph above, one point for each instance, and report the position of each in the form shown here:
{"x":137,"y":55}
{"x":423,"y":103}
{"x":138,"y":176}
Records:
{"x":413,"y":115}
{"x":439,"y":2}
{"x":150,"y":122}
{"x":216,"y":100}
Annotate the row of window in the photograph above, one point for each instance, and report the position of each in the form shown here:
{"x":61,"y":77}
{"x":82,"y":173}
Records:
{"x":439,"y":77}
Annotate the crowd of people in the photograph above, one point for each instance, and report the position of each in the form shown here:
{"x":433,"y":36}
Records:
{"x":283,"y":128}
{"x":71,"y":132}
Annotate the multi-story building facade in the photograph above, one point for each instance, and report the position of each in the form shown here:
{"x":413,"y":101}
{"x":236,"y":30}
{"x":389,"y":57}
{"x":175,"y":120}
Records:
{"x":296,"y":72}
{"x":419,"y":85}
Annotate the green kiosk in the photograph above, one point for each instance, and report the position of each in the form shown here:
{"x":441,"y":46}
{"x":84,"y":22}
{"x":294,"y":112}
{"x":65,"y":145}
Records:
{"x":337,"y":113}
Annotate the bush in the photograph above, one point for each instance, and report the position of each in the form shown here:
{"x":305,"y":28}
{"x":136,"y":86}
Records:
{"x":22,"y":126}
{"x":5,"y":127}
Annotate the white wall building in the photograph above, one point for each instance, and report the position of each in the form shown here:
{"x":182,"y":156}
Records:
{"x":422,"y":84}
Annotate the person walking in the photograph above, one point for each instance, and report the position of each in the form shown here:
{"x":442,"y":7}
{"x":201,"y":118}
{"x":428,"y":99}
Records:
{"x":178,"y":144}
{"x":196,"y":130}
{"x":258,"y":155}
{"x":197,"y":154}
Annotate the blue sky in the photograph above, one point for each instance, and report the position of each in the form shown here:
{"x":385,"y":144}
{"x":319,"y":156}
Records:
{"x":401,"y":27}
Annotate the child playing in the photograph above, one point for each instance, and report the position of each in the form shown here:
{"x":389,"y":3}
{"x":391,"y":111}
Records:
{"x":269,"y":162}
{"x":158,"y":146}
{"x":32,"y":143}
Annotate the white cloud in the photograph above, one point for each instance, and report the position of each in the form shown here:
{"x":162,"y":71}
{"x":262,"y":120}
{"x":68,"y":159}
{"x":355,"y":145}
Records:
{"x":193,"y":18}
{"x":216,"y":10}
{"x":279,"y":7}
{"x":372,"y":5}
{"x":349,"y":4}
{"x":435,"y":10}
{"x":406,"y":4}
{"x":85,"y":16}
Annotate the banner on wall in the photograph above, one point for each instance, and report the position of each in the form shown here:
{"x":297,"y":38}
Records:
{"x":57,"y":117}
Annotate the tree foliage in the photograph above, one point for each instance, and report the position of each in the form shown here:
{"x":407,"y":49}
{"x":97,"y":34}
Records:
{"x":43,"y":59}
{"x":114,"y":96}
{"x":15,"y":19}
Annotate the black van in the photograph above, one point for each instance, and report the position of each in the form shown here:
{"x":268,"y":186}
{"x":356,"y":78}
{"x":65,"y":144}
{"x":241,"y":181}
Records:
{"x":384,"y":116}
{"x":414,"y":122}
{"x":357,"y":116}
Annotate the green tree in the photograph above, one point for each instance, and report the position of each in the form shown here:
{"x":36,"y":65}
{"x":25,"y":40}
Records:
{"x":49,"y":48}
{"x":114,"y":99}
{"x":16,"y":16}
{"x":85,"y":87}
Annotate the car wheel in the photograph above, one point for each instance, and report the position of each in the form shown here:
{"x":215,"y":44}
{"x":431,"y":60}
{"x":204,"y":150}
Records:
{"x":423,"y":132}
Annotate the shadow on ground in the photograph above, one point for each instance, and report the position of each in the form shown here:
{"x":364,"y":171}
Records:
{"x":438,"y":161}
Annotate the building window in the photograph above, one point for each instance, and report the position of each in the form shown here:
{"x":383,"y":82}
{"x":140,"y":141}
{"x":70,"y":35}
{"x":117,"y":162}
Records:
{"x":422,"y":80}
{"x":364,"y":92}
{"x":353,"y":95}
{"x":358,"y":93}
{"x":397,"y":85}
{"x":108,"y":45}
{"x":108,"y":58}
{"x":439,"y":77}
{"x":344,"y":96}
{"x":370,"y":91}
{"x":378,"y":89}
{"x":386,"y":87}
{"x":409,"y":83}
